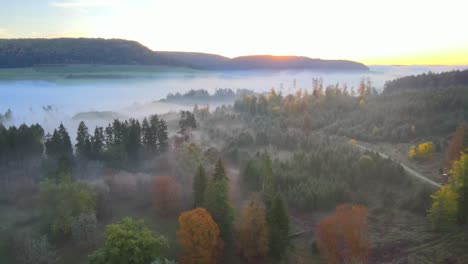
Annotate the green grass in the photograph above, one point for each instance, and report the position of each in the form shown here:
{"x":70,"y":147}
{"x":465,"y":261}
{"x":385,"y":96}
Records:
{"x":83,"y":71}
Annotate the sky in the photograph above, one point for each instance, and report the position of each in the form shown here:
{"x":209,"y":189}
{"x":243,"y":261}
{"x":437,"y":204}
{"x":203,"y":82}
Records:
{"x":402,"y":32}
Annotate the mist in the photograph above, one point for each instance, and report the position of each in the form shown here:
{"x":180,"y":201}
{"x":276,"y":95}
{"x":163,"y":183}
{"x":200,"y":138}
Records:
{"x":53,"y":102}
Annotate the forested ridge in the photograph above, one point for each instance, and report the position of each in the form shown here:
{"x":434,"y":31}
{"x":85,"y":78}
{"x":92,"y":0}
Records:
{"x":62,"y":51}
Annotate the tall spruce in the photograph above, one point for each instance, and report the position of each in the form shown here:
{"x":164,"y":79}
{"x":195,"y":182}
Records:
{"x":278,"y":228}
{"x":199,"y":186}
{"x":83,"y":142}
{"x":97,"y":143}
{"x":217,"y":201}
{"x":59,"y":144}
{"x":163,"y":138}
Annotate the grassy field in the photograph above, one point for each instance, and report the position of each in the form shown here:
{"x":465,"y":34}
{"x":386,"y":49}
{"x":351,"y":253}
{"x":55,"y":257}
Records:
{"x":90,"y":72}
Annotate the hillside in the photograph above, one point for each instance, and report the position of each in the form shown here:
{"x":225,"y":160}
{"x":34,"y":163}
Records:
{"x":34,"y":52}
{"x":18,"y":53}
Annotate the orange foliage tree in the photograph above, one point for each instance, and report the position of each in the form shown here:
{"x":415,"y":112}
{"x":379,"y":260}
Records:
{"x":198,"y":236}
{"x":456,"y":143}
{"x":166,"y":195}
{"x":342,"y":237}
{"x":252,"y":230}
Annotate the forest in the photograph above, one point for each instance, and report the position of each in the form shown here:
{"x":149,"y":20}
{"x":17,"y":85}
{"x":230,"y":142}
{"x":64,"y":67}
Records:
{"x":270,"y":178}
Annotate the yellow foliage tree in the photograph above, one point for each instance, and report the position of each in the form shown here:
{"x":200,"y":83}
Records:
{"x":443,"y":212}
{"x":198,"y":236}
{"x":422,"y":151}
{"x":252,"y":231}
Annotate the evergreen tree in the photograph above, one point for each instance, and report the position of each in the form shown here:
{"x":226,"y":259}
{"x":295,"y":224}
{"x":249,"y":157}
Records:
{"x":65,"y":142}
{"x":199,"y":186}
{"x":153,"y":133}
{"x":220,"y":172}
{"x":133,"y":140}
{"x":278,"y":228}
{"x":268,"y":185}
{"x":217,"y":202}
{"x":146,"y":134}
{"x":59,"y":145}
{"x":83,"y":142}
{"x":162,"y":136}
{"x":187,"y":120}
{"x":109,"y":136}
{"x":97,"y":143}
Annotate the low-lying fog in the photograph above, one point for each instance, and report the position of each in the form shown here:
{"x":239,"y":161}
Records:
{"x":50,"y":103}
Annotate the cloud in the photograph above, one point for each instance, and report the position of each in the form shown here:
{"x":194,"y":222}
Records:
{"x":82,"y":3}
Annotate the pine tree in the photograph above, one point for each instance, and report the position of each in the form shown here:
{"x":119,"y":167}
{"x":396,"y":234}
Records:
{"x":83,"y":142}
{"x":146,"y":134}
{"x":65,"y":142}
{"x":217,"y":201}
{"x":199,"y":186}
{"x":133,"y":141}
{"x":97,"y":143}
{"x":268,"y":185}
{"x":278,"y":228}
{"x":162,"y":136}
{"x":153,"y":133}
{"x":59,"y":145}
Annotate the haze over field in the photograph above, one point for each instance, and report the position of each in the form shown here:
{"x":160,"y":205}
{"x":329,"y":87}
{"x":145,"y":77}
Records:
{"x":26,"y":98}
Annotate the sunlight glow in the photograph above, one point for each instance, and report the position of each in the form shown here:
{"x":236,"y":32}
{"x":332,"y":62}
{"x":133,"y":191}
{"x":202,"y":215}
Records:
{"x":373,"y":32}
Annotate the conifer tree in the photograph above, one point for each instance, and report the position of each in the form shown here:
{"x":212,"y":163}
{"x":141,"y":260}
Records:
{"x":97,"y":143}
{"x":217,"y":201}
{"x":278,"y":228}
{"x":83,"y":142}
{"x":162,"y":136}
{"x":199,"y":186}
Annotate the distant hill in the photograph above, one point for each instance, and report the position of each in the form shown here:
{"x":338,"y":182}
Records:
{"x":16,"y":53}
{"x":261,"y":62}
{"x":34,"y":52}
{"x":427,"y":81}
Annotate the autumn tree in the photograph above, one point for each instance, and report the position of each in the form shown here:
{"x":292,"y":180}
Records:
{"x":278,"y":228}
{"x":456,"y":144}
{"x":252,"y":230}
{"x":459,"y":174}
{"x":444,"y":209}
{"x":199,"y":186}
{"x":422,"y":151}
{"x":198,"y":236}
{"x":166,"y":195}
{"x":342,"y":237}
{"x":129,"y":242}
{"x":217,"y":201}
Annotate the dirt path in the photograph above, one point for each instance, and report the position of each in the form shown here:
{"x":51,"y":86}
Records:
{"x":409,"y":170}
